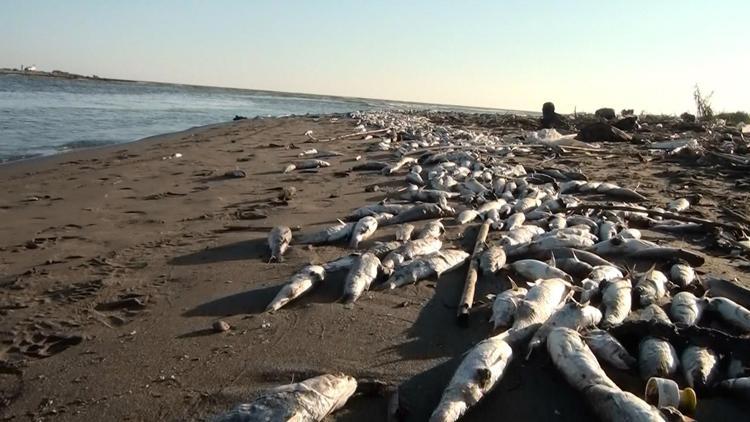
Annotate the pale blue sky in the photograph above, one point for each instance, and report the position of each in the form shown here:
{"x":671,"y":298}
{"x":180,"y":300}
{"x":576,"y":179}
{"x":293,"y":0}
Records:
{"x":638,"y":54}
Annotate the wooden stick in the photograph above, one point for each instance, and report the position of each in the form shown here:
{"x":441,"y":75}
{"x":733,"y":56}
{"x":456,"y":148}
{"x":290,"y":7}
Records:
{"x":662,"y":214}
{"x":467,"y":298}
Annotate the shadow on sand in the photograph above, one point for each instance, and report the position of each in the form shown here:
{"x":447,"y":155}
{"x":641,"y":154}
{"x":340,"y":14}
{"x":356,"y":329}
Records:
{"x":246,"y":249}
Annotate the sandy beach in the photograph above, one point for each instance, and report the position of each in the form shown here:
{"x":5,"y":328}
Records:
{"x":116,"y":261}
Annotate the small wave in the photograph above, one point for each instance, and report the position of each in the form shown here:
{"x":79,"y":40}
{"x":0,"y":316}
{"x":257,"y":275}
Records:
{"x":6,"y":158}
{"x":83,"y":144}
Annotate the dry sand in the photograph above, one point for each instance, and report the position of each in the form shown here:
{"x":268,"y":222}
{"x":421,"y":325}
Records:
{"x":115,"y":263}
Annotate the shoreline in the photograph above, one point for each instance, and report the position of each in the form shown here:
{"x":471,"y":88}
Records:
{"x":117,"y":263}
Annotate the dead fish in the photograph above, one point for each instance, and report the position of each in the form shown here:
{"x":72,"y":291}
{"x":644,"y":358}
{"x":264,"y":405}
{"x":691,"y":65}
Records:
{"x":731,"y":312}
{"x":426,"y":266}
{"x":540,"y":302}
{"x":520,"y":236}
{"x":616,"y":298}
{"x":398,"y":165}
{"x":573,"y":266}
{"x":578,"y":220}
{"x":375,"y":209}
{"x":504,"y":306}
{"x":526,"y":205}
{"x":310,"y":400}
{"x":557,"y":221}
{"x":431,"y":229}
{"x":651,"y":312}
{"x":423,"y":212}
{"x":362,"y":274}
{"x":625,"y":194}
{"x":514,"y":221}
{"x":342,"y":263}
{"x":492,"y":260}
{"x":623,"y":247}
{"x":477,"y":374}
{"x":300,"y":283}
{"x":656,"y":358}
{"x":679,"y":227}
{"x":474,"y":185}
{"x":572,"y":315}
{"x":382,"y":218}
{"x":409,"y":250}
{"x":575,"y":360}
{"x":427,"y":195}
{"x":332,"y":234}
{"x":404,"y":232}
{"x":678,"y":205}
{"x":629,"y":234}
{"x":682,"y":274}
{"x":597,"y":275}
{"x":560,"y":240}
{"x":609,"y":350}
{"x":289,"y":168}
{"x":532,"y":269}
{"x":700,"y":366}
{"x":381,"y":249}
{"x":364,"y":228}
{"x":491,"y":205}
{"x":661,"y":254}
{"x":580,"y":368}
{"x":278,"y":241}
{"x":736,"y":387}
{"x":311,"y":164}
{"x":467,"y":216}
{"x":414,"y":179}
{"x":651,"y":287}
{"x":585,"y":256}
{"x":686,"y":309}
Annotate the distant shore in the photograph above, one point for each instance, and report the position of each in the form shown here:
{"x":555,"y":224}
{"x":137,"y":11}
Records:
{"x":57,"y":74}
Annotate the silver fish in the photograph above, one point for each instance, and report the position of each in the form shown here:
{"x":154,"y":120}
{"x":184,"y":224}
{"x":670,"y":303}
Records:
{"x":573,"y":266}
{"x":300,"y":283}
{"x":311,"y":164}
{"x":409,"y":250}
{"x":608,"y":349}
{"x":363,"y":230}
{"x":623,"y":247}
{"x":381,"y":249}
{"x":414,"y":179}
{"x":700,"y":366}
{"x":656,"y":358}
{"x":361,"y":275}
{"x":526,"y":205}
{"x":616,"y":298}
{"x":651,"y":287}
{"x":398,"y":165}
{"x":278,"y":241}
{"x":422,"y":212}
{"x":477,"y":374}
{"x":598,"y":274}
{"x":426,"y":266}
{"x":492,"y":260}
{"x":342,"y":263}
{"x":514,"y":221}
{"x":682,"y":274}
{"x":613,"y":404}
{"x":289,"y":168}
{"x":571,"y":315}
{"x":651,"y":312}
{"x":731,"y":312}
{"x":467,"y":216}
{"x":505,"y":305}
{"x":404,"y":232}
{"x":540,"y":302}
{"x":332,"y":234}
{"x":534,"y":270}
{"x":432,"y":229}
{"x":678,"y":205}
{"x":686,"y":309}
{"x":378,"y":208}
{"x":307,"y":401}
{"x":607,"y":230}
{"x":557,"y":222}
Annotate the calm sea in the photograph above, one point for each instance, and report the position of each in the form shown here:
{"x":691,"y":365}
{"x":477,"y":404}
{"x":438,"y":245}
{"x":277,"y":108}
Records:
{"x":42,"y":116}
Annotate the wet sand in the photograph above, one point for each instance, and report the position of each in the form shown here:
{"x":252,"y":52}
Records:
{"x":115,"y":262}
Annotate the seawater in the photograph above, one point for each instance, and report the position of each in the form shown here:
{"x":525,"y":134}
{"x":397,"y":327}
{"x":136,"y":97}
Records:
{"x":43,"y":115}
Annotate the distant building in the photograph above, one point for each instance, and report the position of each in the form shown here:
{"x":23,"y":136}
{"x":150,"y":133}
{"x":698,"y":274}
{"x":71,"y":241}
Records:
{"x":31,"y":68}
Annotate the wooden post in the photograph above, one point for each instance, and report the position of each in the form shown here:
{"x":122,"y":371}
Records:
{"x":467,"y":298}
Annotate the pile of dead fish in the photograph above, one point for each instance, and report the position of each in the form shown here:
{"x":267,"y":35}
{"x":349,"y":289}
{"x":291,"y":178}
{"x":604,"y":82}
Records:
{"x":578,"y":265}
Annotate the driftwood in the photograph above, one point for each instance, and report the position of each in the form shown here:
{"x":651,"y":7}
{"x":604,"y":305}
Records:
{"x":663,"y":214}
{"x":680,"y":336}
{"x":467,"y":298}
